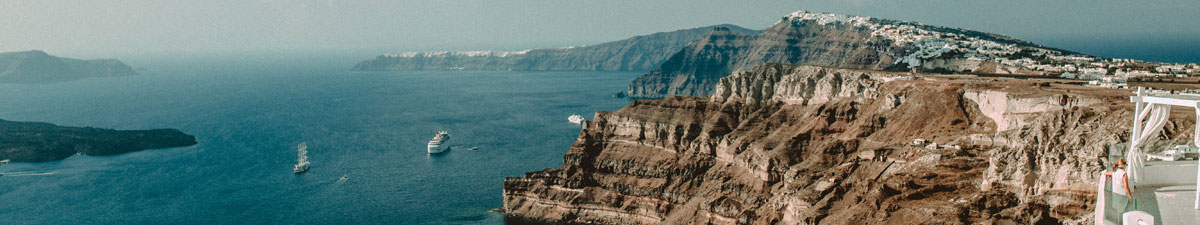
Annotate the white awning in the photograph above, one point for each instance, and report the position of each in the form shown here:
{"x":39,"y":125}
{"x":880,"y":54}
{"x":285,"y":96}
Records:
{"x":1151,"y":112}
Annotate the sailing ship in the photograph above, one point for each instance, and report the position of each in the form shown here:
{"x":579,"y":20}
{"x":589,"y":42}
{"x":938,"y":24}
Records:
{"x":301,"y":158}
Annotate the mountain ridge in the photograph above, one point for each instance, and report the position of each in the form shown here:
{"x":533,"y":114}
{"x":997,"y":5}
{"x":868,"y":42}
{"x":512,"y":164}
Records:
{"x":638,"y":53}
{"x":838,"y":40}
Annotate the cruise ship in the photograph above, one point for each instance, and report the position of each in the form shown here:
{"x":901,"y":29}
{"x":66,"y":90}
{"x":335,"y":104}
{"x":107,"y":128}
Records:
{"x":438,"y":143}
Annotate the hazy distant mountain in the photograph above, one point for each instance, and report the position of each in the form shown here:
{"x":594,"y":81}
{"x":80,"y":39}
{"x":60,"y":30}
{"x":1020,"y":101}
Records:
{"x":833,"y":40}
{"x":640,"y":53}
{"x":37,"y":66}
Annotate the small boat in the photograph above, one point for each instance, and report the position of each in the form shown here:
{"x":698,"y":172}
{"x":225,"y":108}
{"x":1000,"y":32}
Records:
{"x":438,"y":143}
{"x":575,"y":118}
{"x":302,"y":158}
{"x":345,"y":176}
{"x":475,"y":148}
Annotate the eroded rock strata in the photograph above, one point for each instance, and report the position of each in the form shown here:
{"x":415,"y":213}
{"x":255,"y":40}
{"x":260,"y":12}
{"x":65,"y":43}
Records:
{"x":785,"y":144}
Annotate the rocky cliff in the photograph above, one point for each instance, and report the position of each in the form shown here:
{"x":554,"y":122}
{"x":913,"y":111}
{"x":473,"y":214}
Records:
{"x":834,"y":40}
{"x":37,"y":66}
{"x":692,"y":68}
{"x":783,"y":144}
{"x":641,"y":53}
{"x":39,"y":142}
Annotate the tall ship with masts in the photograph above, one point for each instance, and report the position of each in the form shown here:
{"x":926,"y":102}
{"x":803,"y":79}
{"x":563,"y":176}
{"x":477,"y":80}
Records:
{"x":301,"y":158}
{"x":438,"y":143}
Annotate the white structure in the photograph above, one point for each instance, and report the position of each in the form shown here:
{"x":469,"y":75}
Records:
{"x":438,"y":143}
{"x":1105,"y":82}
{"x":1161,"y":190}
{"x":1155,"y":110}
{"x":575,"y":119}
{"x":918,"y":141}
{"x":1179,"y":152}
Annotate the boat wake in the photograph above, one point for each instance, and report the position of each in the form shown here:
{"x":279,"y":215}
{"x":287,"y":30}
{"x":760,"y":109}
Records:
{"x":21,"y":174}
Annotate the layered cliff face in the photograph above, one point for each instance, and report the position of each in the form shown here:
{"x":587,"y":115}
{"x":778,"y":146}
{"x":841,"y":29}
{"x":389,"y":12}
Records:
{"x":838,"y":41}
{"x":641,"y":53}
{"x":40,"y":142}
{"x":693,"y":67}
{"x":784,"y":144}
{"x":37,"y":66}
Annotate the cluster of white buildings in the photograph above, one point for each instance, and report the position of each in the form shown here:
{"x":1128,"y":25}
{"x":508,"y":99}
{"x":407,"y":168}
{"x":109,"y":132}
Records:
{"x":931,"y":145}
{"x":1112,"y":73}
{"x":1086,"y":67}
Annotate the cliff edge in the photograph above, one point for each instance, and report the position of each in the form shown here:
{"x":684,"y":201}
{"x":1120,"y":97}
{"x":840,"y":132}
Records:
{"x":789,"y":144}
{"x":640,"y":53}
{"x":838,"y":40}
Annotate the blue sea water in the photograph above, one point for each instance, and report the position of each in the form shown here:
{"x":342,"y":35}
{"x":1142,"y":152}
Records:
{"x":247,"y":118}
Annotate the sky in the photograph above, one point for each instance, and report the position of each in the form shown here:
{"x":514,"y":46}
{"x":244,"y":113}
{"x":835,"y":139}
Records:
{"x":1146,"y":29}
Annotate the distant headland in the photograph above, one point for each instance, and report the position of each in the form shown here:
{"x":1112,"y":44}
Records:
{"x":42,"y":142}
{"x":38,"y":67}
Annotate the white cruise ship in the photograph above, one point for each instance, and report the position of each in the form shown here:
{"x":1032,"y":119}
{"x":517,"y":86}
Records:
{"x":438,"y":143}
{"x":575,"y":118}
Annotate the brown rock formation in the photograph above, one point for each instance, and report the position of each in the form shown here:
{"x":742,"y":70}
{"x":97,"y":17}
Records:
{"x":785,"y":144}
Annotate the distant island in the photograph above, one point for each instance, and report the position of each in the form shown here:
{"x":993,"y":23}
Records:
{"x":41,"y":142}
{"x":640,"y":53}
{"x":38,"y":67}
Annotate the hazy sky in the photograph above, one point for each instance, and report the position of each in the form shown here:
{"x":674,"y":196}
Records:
{"x":108,"y":28}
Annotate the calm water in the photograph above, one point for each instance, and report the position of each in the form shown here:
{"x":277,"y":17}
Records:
{"x":248,"y":119}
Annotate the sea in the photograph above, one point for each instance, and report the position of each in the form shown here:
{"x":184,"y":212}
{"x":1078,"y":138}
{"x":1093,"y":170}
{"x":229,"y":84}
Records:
{"x":248,"y":116}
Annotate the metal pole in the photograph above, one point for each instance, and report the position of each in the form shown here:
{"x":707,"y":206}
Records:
{"x":1137,"y":123}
